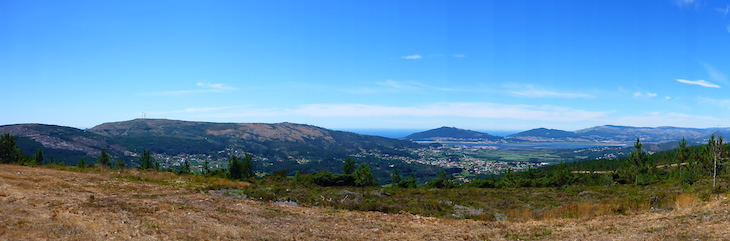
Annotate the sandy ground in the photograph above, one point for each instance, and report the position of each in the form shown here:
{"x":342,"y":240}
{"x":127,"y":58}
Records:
{"x":46,"y":204}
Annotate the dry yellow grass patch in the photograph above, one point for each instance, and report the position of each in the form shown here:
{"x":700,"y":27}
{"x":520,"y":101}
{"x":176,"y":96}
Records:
{"x":687,"y":200}
{"x":579,"y":210}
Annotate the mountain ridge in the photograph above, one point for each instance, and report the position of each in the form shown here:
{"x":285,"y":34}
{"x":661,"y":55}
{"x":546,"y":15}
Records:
{"x":605,"y":133}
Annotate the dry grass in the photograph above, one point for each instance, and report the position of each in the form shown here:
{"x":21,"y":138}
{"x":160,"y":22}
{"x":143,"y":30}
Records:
{"x":44,"y":204}
{"x":687,"y":201}
{"x":521,"y":215}
{"x":579,"y":210}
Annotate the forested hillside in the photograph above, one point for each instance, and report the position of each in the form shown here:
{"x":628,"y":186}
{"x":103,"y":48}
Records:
{"x":274,"y":147}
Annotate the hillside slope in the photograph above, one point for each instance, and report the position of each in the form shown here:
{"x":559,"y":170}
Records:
{"x":648,"y":134}
{"x":271,"y":140}
{"x":275,"y":147}
{"x":544,"y":134}
{"x":38,"y":203}
{"x":64,"y":143}
{"x":451,"y":133}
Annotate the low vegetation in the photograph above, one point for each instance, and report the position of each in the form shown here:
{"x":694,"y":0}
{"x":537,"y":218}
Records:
{"x":98,"y":203}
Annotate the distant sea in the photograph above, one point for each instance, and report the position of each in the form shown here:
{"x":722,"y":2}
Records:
{"x":400,"y":133}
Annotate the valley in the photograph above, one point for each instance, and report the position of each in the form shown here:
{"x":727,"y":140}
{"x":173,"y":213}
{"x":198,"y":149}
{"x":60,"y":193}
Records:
{"x":465,"y":154}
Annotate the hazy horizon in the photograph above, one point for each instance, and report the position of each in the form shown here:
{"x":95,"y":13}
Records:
{"x":400,"y":133}
{"x":385,"y":132}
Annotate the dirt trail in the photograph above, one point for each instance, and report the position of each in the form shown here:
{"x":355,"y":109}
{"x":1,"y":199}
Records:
{"x":45,"y":204}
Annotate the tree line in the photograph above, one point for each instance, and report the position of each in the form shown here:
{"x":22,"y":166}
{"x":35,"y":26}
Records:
{"x":686,"y":165}
{"x":237,"y":169}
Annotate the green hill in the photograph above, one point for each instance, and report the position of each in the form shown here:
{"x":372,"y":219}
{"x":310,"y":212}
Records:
{"x":545,"y":134}
{"x":275,"y":147}
{"x":62,"y":143}
{"x":451,"y":133}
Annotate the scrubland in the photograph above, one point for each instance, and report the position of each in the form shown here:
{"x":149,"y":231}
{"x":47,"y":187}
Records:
{"x":100,"y":204}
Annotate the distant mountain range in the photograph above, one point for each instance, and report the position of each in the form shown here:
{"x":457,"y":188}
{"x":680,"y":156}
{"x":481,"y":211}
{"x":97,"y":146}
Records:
{"x":295,"y":147}
{"x":607,"y":134}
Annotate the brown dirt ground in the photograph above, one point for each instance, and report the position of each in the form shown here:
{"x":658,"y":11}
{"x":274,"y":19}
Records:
{"x":47,"y":204}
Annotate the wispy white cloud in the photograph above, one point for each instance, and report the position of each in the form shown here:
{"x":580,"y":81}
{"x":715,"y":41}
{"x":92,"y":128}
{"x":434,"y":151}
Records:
{"x":188,"y":111}
{"x":715,"y":74}
{"x":466,"y":110}
{"x":415,"y":56}
{"x":204,"y":87}
{"x":391,"y":86}
{"x":644,"y":94}
{"x":538,"y":92}
{"x":720,"y":103}
{"x":418,"y":56}
{"x":687,"y":3}
{"x":702,"y":83}
{"x":723,"y":11}
{"x":659,"y":118}
{"x":216,"y":87}
{"x":400,"y":85}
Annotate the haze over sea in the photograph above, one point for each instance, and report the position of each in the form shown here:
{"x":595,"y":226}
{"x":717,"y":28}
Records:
{"x":400,"y":133}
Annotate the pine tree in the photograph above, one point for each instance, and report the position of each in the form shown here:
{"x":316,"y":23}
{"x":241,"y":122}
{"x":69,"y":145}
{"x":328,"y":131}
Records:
{"x":681,"y":156}
{"x":104,"y":158}
{"x":39,"y":157}
{"x":410,"y":182}
{"x":395,"y":178}
{"x":637,"y":160}
{"x":247,"y":167}
{"x":185,"y":167}
{"x":234,"y":168}
{"x":82,"y":163}
{"x":145,"y":161}
{"x":715,"y":149}
{"x":120,"y":164}
{"x":363,"y":176}
{"x":349,"y":166}
{"x":206,"y":168}
{"x":9,"y":150}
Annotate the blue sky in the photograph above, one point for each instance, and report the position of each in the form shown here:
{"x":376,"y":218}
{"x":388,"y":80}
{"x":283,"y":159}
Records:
{"x":485,"y":65}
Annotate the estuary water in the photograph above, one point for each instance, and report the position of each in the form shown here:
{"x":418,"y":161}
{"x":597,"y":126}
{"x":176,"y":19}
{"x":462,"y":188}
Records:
{"x":535,"y":145}
{"x":400,"y":133}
